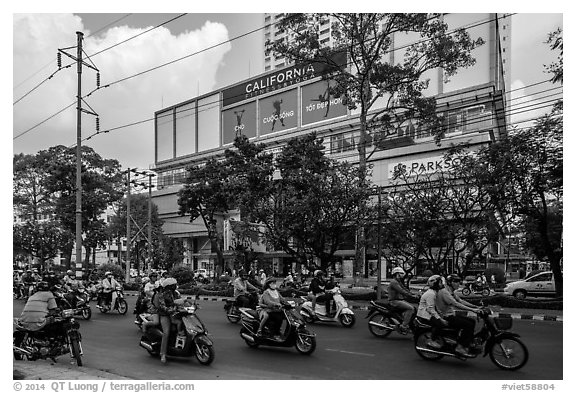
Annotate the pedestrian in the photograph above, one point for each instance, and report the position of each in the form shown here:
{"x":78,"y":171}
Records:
{"x":262,"y":277}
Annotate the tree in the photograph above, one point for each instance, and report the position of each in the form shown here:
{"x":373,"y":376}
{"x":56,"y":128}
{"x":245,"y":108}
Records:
{"x":39,"y":240}
{"x":309,"y":206}
{"x":29,"y":194}
{"x":367,"y":40}
{"x":101,"y":186}
{"x":206,"y":194}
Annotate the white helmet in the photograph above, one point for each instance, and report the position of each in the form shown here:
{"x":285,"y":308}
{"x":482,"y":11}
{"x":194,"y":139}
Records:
{"x":398,"y":269}
{"x":432,"y":280}
{"x":169,"y":281}
{"x":145,"y":280}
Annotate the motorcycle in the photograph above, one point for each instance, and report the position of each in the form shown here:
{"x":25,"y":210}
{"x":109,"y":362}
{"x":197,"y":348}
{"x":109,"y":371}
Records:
{"x":474,"y":287}
{"x":82,"y":306}
{"x":385,"y":319}
{"x":92,"y":288}
{"x":505,"y":348}
{"x":58,"y":338}
{"x":118,"y":302}
{"x":291,"y":326}
{"x":233,"y":311}
{"x":194,"y":343}
{"x":342,"y":314}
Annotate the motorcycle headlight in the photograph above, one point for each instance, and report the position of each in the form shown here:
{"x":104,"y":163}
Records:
{"x":67,"y":313}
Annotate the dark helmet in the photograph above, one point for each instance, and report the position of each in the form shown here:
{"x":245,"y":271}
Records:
{"x":242,"y":273}
{"x":453,"y":278}
{"x":42,"y":286}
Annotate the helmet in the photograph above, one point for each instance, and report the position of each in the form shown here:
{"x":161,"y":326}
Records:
{"x":242,"y":273}
{"x":35,"y":270}
{"x":398,"y":269}
{"x":169,"y":281}
{"x":318,"y":273}
{"x":434,"y":281}
{"x":69,"y":272}
{"x":42,"y":286}
{"x":453,"y":278}
{"x":145,"y":280}
{"x":107,"y":273}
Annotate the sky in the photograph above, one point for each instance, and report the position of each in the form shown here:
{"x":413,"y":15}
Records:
{"x":186,"y":56}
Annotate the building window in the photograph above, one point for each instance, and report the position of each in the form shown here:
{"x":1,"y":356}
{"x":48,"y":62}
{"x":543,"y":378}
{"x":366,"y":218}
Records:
{"x":342,"y":143}
{"x":267,"y":68}
{"x":325,"y":31}
{"x":267,"y":19}
{"x":325,"y":40}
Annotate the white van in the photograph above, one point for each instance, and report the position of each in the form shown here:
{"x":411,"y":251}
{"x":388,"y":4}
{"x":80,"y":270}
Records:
{"x":541,"y":284}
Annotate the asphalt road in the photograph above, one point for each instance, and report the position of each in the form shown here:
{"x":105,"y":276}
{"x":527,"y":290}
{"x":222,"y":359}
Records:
{"x":110,"y":343}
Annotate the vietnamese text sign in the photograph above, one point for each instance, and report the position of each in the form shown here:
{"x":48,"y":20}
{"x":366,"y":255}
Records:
{"x":239,"y":120}
{"x":318,"y":104}
{"x":278,"y":112}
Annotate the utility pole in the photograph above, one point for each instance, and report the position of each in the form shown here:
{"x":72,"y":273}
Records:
{"x":379,"y":263}
{"x":128,"y":240}
{"x":149,"y":267}
{"x":79,"y":153}
{"x":79,"y":63}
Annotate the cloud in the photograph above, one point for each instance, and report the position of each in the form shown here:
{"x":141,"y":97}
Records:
{"x":128,"y":99}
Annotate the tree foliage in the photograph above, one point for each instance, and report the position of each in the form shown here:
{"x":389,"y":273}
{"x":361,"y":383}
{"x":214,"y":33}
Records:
{"x":371,"y":75}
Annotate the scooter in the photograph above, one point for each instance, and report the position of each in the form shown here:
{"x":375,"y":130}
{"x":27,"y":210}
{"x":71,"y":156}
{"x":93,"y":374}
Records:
{"x":194,"y":343}
{"x":82,"y":306}
{"x":291,"y":327}
{"x":118,"y":302}
{"x":385,"y":319}
{"x":474,"y":287}
{"x":505,"y":348}
{"x":233,"y":311}
{"x":341,"y":314}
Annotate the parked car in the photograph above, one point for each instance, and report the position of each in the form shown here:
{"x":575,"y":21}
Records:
{"x":541,"y":284}
{"x":201,"y":273}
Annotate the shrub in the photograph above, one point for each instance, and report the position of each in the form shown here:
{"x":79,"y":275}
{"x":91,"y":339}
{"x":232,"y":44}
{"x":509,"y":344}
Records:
{"x":498,"y":273}
{"x":427,"y":273}
{"x":116,"y":270}
{"x":182,"y":274}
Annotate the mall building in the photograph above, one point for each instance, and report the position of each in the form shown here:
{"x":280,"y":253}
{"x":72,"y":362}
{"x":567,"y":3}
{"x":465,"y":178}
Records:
{"x":290,"y":100}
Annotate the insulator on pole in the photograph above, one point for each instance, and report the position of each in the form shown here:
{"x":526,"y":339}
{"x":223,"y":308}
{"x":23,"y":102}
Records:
{"x":59,"y":58}
{"x":97,"y":124}
{"x":97,"y":79}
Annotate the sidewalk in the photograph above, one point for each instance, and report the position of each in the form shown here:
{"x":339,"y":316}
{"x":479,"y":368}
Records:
{"x":46,"y":369}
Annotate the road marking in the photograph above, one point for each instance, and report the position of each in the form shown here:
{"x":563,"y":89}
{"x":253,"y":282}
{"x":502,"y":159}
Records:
{"x":351,"y":353}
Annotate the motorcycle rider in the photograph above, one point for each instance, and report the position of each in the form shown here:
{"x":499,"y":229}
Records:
{"x":142,"y":299}
{"x":38,"y":309}
{"x":317,"y":292}
{"x":242,"y":289}
{"x":397,"y":294}
{"x":72,"y":284}
{"x":427,"y":311}
{"x":109,"y":284}
{"x":165,"y":302}
{"x":270,"y":302}
{"x":28,"y":281}
{"x":447,"y":301}
{"x":151,"y":285}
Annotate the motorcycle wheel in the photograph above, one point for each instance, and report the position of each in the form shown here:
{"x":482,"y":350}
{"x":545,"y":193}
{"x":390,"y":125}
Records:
{"x":205,"y":353}
{"x":509,"y":353}
{"x":486,"y":292}
{"x":122,"y":306}
{"x":382,"y":320}
{"x":421,"y":341}
{"x":75,"y":348}
{"x":347,"y":320}
{"x":466,"y":291}
{"x":305,"y":344}
{"x":19,"y":341}
{"x":86,"y":313}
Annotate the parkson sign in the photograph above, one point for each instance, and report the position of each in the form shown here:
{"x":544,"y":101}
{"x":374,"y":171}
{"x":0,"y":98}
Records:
{"x":280,"y":79}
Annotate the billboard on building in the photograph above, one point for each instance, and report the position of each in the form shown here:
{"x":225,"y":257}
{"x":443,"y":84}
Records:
{"x":239,"y":120}
{"x":278,"y":112}
{"x":319,"y":105}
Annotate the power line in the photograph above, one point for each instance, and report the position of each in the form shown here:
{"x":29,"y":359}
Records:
{"x":246,"y":34}
{"x":97,"y":53}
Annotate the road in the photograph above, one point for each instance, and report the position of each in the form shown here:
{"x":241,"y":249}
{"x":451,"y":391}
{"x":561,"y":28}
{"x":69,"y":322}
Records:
{"x":110,"y":343}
